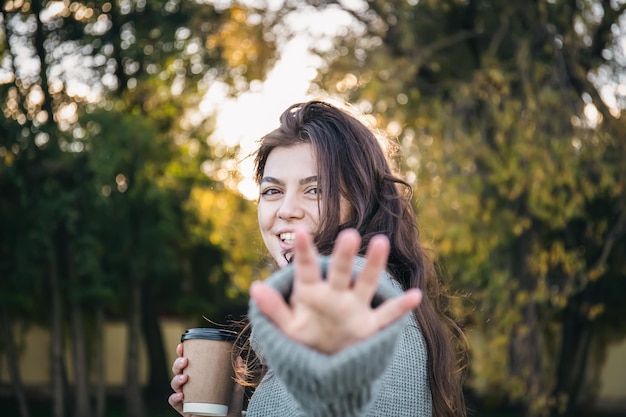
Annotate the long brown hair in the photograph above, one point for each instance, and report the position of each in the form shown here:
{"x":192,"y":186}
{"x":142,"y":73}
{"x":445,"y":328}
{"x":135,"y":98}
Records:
{"x":352,"y":164}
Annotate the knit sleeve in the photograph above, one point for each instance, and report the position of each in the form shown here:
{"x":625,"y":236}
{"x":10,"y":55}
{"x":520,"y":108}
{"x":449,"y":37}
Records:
{"x":341,"y":384}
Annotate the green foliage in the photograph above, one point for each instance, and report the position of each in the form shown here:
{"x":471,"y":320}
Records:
{"x":104,"y":161}
{"x":518,"y":168}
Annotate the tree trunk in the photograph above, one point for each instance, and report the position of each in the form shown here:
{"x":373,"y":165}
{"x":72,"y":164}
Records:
{"x":100,"y":365}
{"x":573,"y":355}
{"x":158,"y":376}
{"x":134,"y":396}
{"x":56,"y":359}
{"x":577,"y":332}
{"x":116,"y":29}
{"x":40,"y":39}
{"x":12,"y":362}
{"x":81,"y":377}
{"x":579,"y":367}
{"x":525,"y":363}
{"x":525,"y":358}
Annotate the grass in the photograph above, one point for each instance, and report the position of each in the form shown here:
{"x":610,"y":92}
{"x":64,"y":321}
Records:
{"x":116,"y":408}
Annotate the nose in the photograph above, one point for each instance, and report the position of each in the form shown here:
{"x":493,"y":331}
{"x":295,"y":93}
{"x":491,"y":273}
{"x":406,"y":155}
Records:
{"x":290,"y":208}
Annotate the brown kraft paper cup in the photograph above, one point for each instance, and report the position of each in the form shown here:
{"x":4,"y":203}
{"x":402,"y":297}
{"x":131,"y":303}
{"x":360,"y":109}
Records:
{"x":209,"y":388}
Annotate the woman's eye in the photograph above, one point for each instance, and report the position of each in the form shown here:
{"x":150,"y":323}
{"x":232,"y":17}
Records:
{"x":270,"y":192}
{"x":313,"y":191}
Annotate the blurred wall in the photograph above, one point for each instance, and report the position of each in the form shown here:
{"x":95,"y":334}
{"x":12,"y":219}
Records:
{"x":34,"y":347}
{"x":613,"y":379}
{"x":34,"y":343}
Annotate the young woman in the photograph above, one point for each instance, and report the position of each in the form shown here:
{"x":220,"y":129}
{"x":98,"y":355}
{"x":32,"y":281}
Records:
{"x":348,"y":334}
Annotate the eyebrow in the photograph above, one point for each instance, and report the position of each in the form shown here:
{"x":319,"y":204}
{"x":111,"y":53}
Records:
{"x":303,"y":181}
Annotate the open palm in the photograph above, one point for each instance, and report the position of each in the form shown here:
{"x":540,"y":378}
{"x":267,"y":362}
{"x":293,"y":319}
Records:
{"x":331,"y":314}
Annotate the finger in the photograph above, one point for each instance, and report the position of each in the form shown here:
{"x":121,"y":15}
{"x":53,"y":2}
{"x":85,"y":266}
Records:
{"x":236,"y":402}
{"x":307,"y":269}
{"x":176,"y":401}
{"x":377,"y":254}
{"x":179,"y":349}
{"x":178,"y":381}
{"x":240,"y":365}
{"x":339,"y":274}
{"x":393,"y":309}
{"x":271,"y":303}
{"x":179,"y":365}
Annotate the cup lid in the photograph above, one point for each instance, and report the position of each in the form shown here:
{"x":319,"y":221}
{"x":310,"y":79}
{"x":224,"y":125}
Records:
{"x":208,"y":333}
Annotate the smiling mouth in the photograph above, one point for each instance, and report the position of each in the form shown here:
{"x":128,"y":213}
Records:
{"x":287,"y":238}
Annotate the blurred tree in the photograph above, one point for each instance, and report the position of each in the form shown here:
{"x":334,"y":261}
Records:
{"x":101,"y":144}
{"x":509,"y":117}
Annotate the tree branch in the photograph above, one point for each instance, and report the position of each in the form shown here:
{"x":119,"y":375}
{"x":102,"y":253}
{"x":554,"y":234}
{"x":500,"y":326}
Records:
{"x":619,"y":228}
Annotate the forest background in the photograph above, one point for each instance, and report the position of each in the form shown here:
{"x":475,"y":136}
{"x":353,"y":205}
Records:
{"x":116,"y":202}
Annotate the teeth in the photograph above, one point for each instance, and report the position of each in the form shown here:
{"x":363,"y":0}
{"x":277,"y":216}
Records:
{"x":287,"y":237}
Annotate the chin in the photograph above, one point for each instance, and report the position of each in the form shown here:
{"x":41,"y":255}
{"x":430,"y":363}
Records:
{"x":283,"y":258}
{"x":280,"y":260}
{"x":282,"y":263}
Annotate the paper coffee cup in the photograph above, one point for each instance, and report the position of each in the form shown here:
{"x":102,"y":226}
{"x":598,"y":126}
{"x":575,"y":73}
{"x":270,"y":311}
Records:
{"x":209,"y":388}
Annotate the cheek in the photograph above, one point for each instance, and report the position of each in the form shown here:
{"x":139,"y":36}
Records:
{"x":264,"y":224}
{"x":314,"y":212}
{"x":262,"y":216}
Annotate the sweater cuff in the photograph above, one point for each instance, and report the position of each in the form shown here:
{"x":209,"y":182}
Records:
{"x":339,"y":384}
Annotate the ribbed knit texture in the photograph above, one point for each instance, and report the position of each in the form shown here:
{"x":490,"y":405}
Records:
{"x":384,"y":375}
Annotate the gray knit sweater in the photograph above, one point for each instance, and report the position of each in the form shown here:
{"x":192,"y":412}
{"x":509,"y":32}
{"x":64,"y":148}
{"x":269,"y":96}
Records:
{"x":384,"y":375}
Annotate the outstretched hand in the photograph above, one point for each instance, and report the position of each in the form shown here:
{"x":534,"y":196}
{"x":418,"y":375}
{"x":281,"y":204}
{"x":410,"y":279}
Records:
{"x":331,"y":314}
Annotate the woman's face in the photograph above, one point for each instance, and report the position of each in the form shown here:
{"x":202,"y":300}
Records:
{"x":288,"y":199}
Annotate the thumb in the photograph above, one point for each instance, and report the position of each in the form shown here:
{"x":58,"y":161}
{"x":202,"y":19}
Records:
{"x":393,"y":309}
{"x":271,"y":303}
